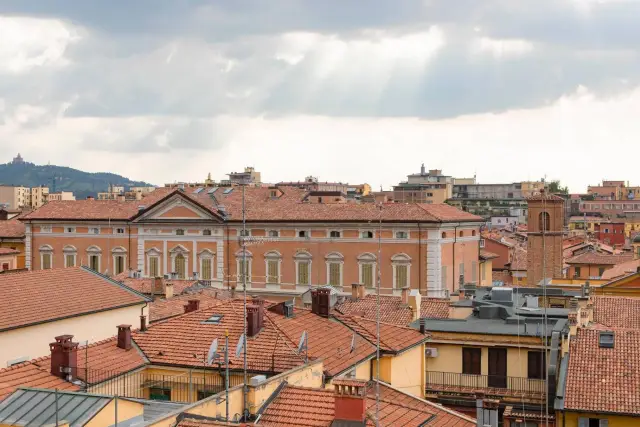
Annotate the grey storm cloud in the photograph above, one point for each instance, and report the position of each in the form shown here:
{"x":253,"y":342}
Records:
{"x":204,"y":59}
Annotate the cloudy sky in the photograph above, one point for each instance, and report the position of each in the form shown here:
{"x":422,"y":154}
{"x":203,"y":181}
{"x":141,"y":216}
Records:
{"x":347,"y":90}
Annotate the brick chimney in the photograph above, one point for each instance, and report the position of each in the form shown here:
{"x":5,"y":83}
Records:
{"x":357,"y":291}
{"x":350,"y":400}
{"x":124,"y":337}
{"x":64,"y":357}
{"x":259,"y":302}
{"x":143,"y":323}
{"x":253,"y":320}
{"x":192,"y":305}
{"x":320,"y":301}
{"x":404,"y":293}
{"x":157,"y":286}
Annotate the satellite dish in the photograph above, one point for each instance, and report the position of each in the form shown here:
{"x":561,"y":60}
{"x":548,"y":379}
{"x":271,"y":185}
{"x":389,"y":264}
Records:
{"x":212,"y":352}
{"x":240,"y":346}
{"x":303,"y":341}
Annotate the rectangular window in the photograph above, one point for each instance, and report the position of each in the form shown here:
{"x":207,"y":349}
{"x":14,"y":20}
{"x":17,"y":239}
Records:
{"x":274,"y":233}
{"x":69,"y":229}
{"x":5,"y":266}
{"x":577,"y":271}
{"x":243,"y":270}
{"x":367,"y":275}
{"x":206,"y":232}
{"x":536,"y":368}
{"x":272,"y":271}
{"x":366,"y":234}
{"x":207,"y":264}
{"x":483,"y":271}
{"x":245,"y":233}
{"x":471,"y":360}
{"x":601,"y":271}
{"x":157,"y":393}
{"x":334,"y":234}
{"x":94,"y":262}
{"x":334,"y":274}
{"x":69,"y":261}
{"x":119,"y":230}
{"x":593,"y":422}
{"x":94,"y":230}
{"x":179,"y":232}
{"x":46,"y":261}
{"x":461,"y":273}
{"x":45,"y":229}
{"x":203,"y":394}
{"x":474,"y":271}
{"x":401,"y":276}
{"x":303,"y":273}
{"x":119,"y":267}
{"x":402,"y":235}
{"x":154,"y":269}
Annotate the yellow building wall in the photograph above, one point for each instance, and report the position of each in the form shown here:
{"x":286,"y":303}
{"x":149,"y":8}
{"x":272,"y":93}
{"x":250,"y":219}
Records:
{"x":570,"y":419}
{"x":405,"y":371}
{"x":33,"y":341}
{"x":130,"y":385}
{"x":20,"y":247}
{"x":107,"y":416}
{"x":486,"y":279}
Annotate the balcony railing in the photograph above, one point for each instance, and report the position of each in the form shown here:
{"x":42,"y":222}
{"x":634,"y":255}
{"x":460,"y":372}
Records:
{"x":495,"y":385}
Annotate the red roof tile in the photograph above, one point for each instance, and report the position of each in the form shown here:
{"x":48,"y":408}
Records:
{"x":165,"y":308}
{"x":604,"y":379}
{"x":547,"y":197}
{"x":145,"y":285}
{"x":599,"y":259}
{"x":185,"y":340}
{"x":396,"y":408}
{"x":393,"y":338}
{"x":519,"y":260}
{"x":12,"y":228}
{"x":487,"y":255}
{"x":327,"y":339}
{"x":48,"y":295}
{"x":392,"y":310}
{"x":36,"y":374}
{"x":621,"y":269}
{"x":617,"y":312}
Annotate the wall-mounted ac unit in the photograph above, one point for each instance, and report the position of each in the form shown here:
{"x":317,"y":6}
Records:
{"x":431,"y":352}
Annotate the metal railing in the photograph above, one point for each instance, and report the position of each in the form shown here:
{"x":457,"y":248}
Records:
{"x":490,"y":384}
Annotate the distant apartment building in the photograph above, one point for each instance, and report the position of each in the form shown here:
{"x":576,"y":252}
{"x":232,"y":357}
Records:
{"x":117,"y":192}
{"x":18,"y":197}
{"x":610,"y":208}
{"x":424,"y":187}
{"x":610,"y":233}
{"x":614,"y":190}
{"x":250,"y":177}
{"x":61,"y":196}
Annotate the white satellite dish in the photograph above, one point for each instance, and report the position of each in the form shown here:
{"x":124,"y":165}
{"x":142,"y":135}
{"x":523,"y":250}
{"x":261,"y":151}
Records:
{"x":212,"y":352}
{"x":240,"y":346}
{"x":303,"y":341}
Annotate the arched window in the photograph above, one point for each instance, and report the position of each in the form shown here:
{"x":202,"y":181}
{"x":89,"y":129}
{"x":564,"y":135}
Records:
{"x":180,"y":261}
{"x":46,"y":257}
{"x":95,"y":254}
{"x":119,"y":259}
{"x":461,"y":233}
{"x":367,"y":265}
{"x":206,"y":264}
{"x":70,"y":253}
{"x":334,"y":261}
{"x":473,"y":233}
{"x":544,"y":221}
{"x":444,"y":235}
{"x":272,"y":261}
{"x":303,"y":267}
{"x":401,"y":264}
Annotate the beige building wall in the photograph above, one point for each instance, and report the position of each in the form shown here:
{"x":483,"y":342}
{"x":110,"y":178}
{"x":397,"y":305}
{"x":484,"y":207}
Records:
{"x":125,"y":410}
{"x":33,"y":341}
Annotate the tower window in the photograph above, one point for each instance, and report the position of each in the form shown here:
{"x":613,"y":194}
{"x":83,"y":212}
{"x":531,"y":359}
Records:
{"x":544,"y":221}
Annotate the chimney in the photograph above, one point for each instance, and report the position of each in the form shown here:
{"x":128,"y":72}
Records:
{"x":168,"y":290}
{"x":405,"y":295}
{"x":350,"y":400}
{"x":192,"y":305}
{"x":157,"y":286}
{"x":124,"y":337}
{"x":143,"y":323}
{"x":320,"y":301}
{"x":486,"y":411}
{"x":423,"y":326}
{"x":64,"y":357}
{"x":415,"y":299}
{"x":253,"y":322}
{"x":259,"y":302}
{"x":357,"y":291}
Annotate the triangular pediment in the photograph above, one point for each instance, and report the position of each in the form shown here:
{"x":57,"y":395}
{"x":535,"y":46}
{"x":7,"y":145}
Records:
{"x":177,"y":208}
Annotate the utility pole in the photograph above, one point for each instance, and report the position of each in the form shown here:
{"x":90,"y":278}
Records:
{"x":244,"y":305}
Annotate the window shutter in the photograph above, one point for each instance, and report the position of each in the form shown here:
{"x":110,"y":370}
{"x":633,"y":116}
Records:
{"x":401,"y":276}
{"x":206,"y":269}
{"x":334,"y":274}
{"x":273,"y":271}
{"x":474,"y":271}
{"x":46,"y":261}
{"x":303,"y":273}
{"x":583,"y":422}
{"x":153,"y":266}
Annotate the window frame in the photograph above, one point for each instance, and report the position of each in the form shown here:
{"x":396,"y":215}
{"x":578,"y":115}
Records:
{"x":207,"y":232}
{"x":273,"y":233}
{"x":334,"y":258}
{"x":69,"y":230}
{"x":300,"y":258}
{"x":335,"y":234}
{"x":367,"y":234}
{"x":398,"y":234}
{"x":470,"y":366}
{"x":536,"y":369}
{"x":273,"y":258}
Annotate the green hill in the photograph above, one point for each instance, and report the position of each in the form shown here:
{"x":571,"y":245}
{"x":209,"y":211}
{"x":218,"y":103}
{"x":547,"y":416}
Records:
{"x":82,"y":184}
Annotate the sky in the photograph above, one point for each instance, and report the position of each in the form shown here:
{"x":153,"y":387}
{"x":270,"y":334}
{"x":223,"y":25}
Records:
{"x":345,"y":90}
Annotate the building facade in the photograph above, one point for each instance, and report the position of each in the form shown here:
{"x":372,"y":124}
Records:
{"x":544,"y":238}
{"x":289,"y":245}
{"x":425,"y":187}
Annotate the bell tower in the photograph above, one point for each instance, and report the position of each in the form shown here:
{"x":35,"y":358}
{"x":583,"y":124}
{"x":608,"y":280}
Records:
{"x":544,"y":237}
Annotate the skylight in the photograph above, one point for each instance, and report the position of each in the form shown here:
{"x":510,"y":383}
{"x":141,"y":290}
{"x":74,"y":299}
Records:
{"x":214,"y":320}
{"x":198,"y":190}
{"x":212,"y":190}
{"x":228,"y":190}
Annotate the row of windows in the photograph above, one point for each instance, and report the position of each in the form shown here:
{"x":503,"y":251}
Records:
{"x":179,"y":264}
{"x":70,"y":260}
{"x":472,"y":363}
{"x":96,"y":230}
{"x":333,"y":234}
{"x":334,"y":271}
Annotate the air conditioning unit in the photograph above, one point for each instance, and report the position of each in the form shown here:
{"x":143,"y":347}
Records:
{"x":431,"y":352}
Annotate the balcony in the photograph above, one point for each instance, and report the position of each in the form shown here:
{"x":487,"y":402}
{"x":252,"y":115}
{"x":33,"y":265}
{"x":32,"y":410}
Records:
{"x":492,"y":385}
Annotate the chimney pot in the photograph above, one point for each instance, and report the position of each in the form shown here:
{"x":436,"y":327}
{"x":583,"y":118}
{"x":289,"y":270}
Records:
{"x":143,"y":323}
{"x":253,"y":320}
{"x":124,"y":337}
{"x":192,"y":305}
{"x":64,"y":357}
{"x":350,"y":400}
{"x":320,"y":301}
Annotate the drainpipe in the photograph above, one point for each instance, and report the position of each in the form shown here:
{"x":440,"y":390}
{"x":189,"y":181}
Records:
{"x":129,"y":248}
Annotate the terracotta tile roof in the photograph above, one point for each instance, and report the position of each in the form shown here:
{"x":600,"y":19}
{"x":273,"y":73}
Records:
{"x":96,"y":209}
{"x":392,"y":310}
{"x":393,"y":338}
{"x":599,"y":259}
{"x":35,"y":373}
{"x":604,"y":379}
{"x":396,"y":409}
{"x":9,"y":251}
{"x":145,"y":285}
{"x":519,"y":260}
{"x":617,"y":312}
{"x":12,"y":228}
{"x":185,"y":340}
{"x":546,"y":196}
{"x":621,"y":269}
{"x":260,"y":206}
{"x":487,"y":255}
{"x":162,"y":308}
{"x":105,"y":360}
{"x":327,"y":339}
{"x":48,"y":295}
